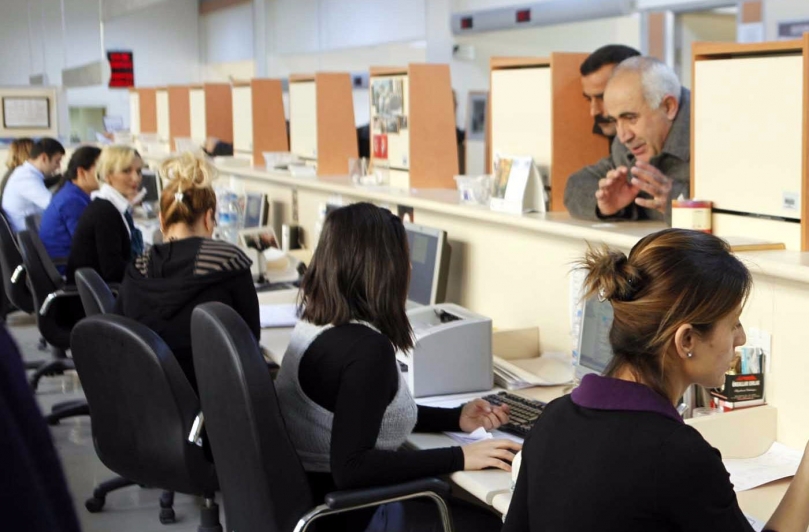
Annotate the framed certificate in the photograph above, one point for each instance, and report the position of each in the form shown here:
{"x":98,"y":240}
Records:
{"x":26,"y":112}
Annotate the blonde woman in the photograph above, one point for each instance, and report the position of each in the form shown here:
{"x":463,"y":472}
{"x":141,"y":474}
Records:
{"x":18,"y":153}
{"x":106,"y":238}
{"x":164,"y":285}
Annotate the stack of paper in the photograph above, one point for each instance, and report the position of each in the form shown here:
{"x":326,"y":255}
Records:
{"x":278,"y":315}
{"x":550,"y":369}
{"x":778,"y":462}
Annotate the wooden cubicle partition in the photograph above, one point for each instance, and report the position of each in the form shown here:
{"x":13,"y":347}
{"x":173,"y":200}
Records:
{"x":750,"y":144}
{"x":536,"y":108}
{"x":269,"y":122}
{"x":163,"y":116}
{"x":423,"y":153}
{"x":179,"y":113}
{"x":336,"y":130}
{"x":321,"y":120}
{"x":242,"y":119}
{"x":219,"y":111}
{"x":147,"y":105}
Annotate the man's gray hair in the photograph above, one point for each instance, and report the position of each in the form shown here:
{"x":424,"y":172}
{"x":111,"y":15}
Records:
{"x":657,"y":79}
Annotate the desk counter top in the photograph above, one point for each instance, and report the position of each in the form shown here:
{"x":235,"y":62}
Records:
{"x":788,"y":265}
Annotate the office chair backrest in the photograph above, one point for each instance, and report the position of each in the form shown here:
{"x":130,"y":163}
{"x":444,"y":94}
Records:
{"x":43,"y":277}
{"x":263,"y":482}
{"x":11,"y":262}
{"x":96,"y":296}
{"x":141,"y":404}
{"x":33,"y":222}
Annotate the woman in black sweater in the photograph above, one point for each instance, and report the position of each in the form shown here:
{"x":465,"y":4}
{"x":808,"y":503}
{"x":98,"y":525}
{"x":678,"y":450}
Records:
{"x":615,"y":455}
{"x":164,"y":285}
{"x":106,"y":238}
{"x":346,"y":405}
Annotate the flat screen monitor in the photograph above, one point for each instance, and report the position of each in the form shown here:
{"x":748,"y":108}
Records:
{"x":255,"y":210}
{"x":429,"y":260}
{"x":595,"y":350}
{"x":151,"y":182}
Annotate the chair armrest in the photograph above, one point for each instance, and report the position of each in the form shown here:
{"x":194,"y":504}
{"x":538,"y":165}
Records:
{"x":344,"y":499}
{"x":68,"y":291}
{"x":17,"y":273}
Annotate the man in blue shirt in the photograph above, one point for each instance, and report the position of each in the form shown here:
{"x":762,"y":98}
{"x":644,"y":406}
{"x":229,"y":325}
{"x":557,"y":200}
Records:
{"x":25,"y":191}
{"x":62,"y":215}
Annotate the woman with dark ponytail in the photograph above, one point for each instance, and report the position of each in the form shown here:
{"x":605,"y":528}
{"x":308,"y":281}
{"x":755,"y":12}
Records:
{"x":62,"y":215}
{"x":164,"y":285}
{"x":615,"y":455}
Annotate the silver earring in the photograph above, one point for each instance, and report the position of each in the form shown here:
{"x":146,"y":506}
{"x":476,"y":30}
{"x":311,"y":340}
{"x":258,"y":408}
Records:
{"x":690,"y":355}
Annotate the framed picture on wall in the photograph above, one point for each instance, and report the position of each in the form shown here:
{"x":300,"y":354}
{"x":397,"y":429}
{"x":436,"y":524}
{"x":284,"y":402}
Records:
{"x":26,"y":112}
{"x":476,"y":115}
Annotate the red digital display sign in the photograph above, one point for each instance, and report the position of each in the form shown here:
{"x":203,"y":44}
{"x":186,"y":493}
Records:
{"x":524,"y":15}
{"x":122,"y":70}
{"x":466,"y":23}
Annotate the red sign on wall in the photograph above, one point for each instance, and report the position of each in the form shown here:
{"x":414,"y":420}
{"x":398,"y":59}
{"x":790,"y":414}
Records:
{"x":123,"y":70}
{"x":380,"y":150}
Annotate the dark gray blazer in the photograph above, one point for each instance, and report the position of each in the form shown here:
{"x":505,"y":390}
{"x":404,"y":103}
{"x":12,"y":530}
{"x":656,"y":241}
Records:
{"x":674,"y":161}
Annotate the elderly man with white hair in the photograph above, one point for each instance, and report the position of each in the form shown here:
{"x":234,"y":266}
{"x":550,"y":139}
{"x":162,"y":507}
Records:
{"x":649,"y":161}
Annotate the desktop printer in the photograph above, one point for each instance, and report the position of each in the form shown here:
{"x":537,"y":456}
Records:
{"x":452,"y":352}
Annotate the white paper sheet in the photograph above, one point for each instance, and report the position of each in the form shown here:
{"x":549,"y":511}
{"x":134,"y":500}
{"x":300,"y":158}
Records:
{"x":778,"y":462}
{"x":278,"y":315}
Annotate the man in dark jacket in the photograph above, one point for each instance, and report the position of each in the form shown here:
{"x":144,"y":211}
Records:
{"x":649,"y":161}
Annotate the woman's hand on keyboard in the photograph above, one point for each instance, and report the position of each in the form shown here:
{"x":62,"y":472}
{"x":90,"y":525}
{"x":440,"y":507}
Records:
{"x":480,"y":413}
{"x":489,"y":453}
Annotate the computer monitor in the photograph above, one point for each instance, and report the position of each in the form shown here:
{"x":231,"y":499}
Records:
{"x":429,"y":260}
{"x":113,"y":123}
{"x":255,"y":210}
{"x":595,"y":350}
{"x":151,"y":182}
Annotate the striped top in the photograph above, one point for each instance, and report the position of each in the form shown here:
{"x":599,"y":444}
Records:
{"x":213,"y":256}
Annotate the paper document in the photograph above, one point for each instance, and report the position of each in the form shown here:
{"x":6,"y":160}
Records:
{"x":480,"y":434}
{"x":778,"y":462}
{"x":278,"y":315}
{"x":757,"y":525}
{"x":550,"y":369}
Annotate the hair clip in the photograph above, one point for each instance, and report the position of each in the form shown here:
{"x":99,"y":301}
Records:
{"x":601,"y":295}
{"x":178,"y":196}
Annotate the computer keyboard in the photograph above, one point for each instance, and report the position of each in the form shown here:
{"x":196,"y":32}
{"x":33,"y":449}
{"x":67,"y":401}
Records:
{"x":523,"y":412}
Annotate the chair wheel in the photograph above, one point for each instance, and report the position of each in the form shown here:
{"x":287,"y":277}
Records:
{"x":167,"y":516}
{"x":94,"y":505}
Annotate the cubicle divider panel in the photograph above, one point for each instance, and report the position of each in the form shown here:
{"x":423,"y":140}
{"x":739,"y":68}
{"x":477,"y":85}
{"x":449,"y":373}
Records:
{"x":573,"y":144}
{"x":163,"y":117}
{"x":179,"y":114}
{"x":393,"y":138}
{"x":336,"y":129}
{"x":521,"y":101}
{"x":242,"y":118}
{"x":431,"y":121}
{"x":748,"y":143}
{"x":303,"y":117}
{"x":269,"y":123}
{"x":134,"y":111}
{"x":147,"y":100}
{"x":196,"y":101}
{"x":219,"y":111}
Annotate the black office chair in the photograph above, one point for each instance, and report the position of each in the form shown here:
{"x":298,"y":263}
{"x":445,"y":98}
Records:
{"x":58,"y":309}
{"x":32,"y":222}
{"x":264,"y":486}
{"x":58,"y":306}
{"x":13,"y":269}
{"x":96,"y":295}
{"x":143,"y":410}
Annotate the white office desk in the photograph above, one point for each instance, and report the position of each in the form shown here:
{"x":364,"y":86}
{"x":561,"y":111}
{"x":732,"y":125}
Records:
{"x":741,"y":434}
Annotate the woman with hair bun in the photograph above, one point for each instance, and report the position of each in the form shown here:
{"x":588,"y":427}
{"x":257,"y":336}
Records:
{"x":164,"y":285}
{"x":615,"y":454}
